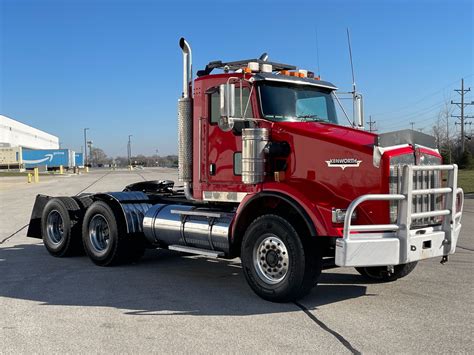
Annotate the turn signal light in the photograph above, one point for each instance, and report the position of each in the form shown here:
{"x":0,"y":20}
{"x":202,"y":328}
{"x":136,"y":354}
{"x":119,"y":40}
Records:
{"x":339,"y":215}
{"x":303,"y":73}
{"x":279,"y":176}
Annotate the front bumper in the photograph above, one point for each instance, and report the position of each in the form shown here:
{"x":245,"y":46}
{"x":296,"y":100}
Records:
{"x":394,"y":244}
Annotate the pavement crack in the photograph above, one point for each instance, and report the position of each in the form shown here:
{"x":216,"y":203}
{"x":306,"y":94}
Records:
{"x":95,"y":182}
{"x":323,"y":326}
{"x":144,"y":179}
{"x":14,"y":233}
{"x":460,"y":247}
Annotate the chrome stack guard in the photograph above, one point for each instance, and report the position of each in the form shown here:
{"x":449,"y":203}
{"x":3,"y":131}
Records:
{"x":394,"y":244}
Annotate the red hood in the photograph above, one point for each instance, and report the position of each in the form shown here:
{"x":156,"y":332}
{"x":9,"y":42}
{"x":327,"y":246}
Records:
{"x":344,"y":136}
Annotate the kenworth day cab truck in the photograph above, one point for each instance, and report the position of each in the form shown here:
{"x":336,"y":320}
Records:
{"x":270,"y":176}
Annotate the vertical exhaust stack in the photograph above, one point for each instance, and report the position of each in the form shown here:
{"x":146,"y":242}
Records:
{"x":185,"y":123}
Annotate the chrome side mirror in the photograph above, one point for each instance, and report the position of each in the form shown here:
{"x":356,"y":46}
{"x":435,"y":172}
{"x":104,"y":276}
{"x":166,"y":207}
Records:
{"x":227,"y":106}
{"x":358,"y":111}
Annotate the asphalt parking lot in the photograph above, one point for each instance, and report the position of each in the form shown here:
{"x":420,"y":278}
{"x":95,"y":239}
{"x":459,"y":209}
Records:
{"x":173,"y":303}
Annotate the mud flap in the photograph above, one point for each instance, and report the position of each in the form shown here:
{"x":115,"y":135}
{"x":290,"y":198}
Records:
{"x":34,"y":228}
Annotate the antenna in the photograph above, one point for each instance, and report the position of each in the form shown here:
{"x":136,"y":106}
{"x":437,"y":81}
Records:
{"x":352,"y":64}
{"x":317,"y":52}
{"x":358,"y":111}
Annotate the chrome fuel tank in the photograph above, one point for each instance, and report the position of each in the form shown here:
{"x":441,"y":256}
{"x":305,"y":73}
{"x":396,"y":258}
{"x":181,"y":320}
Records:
{"x":188,"y":225}
{"x":254,"y":141}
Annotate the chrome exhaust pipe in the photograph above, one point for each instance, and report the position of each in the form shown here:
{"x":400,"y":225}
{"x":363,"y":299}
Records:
{"x":187,"y":66}
{"x":185,"y":124}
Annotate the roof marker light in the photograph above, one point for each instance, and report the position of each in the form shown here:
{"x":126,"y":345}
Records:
{"x":253,"y":66}
{"x":266,"y":68}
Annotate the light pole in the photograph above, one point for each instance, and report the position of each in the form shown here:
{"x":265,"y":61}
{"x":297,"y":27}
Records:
{"x":130,"y":150}
{"x":85,"y":146}
{"x":90,"y":153}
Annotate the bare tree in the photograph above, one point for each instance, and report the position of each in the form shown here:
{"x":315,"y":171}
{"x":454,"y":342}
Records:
{"x":443,"y":131}
{"x":99,"y":157}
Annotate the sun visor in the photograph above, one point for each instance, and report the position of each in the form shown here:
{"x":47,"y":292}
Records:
{"x":406,"y":136}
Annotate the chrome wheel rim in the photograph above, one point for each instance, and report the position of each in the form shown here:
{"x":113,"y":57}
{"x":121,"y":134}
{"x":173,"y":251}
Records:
{"x":55,"y":227}
{"x":99,"y":233}
{"x":270,"y":259}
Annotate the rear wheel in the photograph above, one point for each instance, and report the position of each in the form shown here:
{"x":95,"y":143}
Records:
{"x":105,"y":239}
{"x":385,"y":273}
{"x":61,"y":227}
{"x":278,"y":264}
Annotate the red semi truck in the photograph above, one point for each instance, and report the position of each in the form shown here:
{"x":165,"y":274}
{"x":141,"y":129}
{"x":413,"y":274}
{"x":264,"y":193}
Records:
{"x":271,"y":176}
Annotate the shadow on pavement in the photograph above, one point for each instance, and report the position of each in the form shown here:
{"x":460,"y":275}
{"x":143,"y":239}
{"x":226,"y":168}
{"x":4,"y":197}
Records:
{"x":162,"y":283}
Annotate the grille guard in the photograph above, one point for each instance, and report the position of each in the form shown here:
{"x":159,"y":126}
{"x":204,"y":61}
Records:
{"x":394,"y":244}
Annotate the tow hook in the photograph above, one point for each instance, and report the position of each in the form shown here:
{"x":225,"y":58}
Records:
{"x":390,"y":270}
{"x":444,"y":260}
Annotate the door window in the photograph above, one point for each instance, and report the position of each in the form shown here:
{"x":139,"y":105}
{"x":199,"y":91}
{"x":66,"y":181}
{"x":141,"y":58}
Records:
{"x":215,"y":105}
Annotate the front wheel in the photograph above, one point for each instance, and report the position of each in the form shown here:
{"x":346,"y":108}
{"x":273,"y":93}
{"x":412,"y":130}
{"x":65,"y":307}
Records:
{"x":278,"y":263}
{"x":385,"y":273}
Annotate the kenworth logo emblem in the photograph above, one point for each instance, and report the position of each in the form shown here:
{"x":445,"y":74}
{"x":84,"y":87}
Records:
{"x":343,"y":163}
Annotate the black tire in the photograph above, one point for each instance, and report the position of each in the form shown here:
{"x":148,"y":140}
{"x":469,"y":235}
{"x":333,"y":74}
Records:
{"x":382,"y":274}
{"x":285,"y":282}
{"x":105,"y":239}
{"x":61,"y":227}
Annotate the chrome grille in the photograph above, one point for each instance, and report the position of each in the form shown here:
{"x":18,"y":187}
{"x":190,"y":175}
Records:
{"x":421,"y":180}
{"x":425,"y":203}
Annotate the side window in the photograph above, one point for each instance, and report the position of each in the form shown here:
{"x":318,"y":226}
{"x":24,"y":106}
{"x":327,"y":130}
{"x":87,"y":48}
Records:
{"x":239,"y":111}
{"x":214,"y":108}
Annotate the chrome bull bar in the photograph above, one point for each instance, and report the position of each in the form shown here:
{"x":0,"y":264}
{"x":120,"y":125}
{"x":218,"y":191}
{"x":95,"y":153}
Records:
{"x":393,"y":244}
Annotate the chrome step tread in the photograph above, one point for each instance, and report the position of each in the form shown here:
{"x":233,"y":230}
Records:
{"x":197,"y":213}
{"x":198,"y":251}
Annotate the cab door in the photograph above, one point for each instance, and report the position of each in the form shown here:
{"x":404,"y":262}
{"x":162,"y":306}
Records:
{"x":224,"y":149}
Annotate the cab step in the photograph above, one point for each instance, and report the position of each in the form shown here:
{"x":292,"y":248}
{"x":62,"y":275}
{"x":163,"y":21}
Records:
{"x":197,"y":251}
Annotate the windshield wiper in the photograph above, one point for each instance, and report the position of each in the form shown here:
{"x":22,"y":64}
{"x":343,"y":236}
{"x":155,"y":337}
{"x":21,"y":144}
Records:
{"x":279,"y":117}
{"x":311,"y":118}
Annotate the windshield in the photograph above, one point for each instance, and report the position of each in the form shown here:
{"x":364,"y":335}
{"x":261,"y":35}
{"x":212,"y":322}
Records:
{"x":283,"y":102}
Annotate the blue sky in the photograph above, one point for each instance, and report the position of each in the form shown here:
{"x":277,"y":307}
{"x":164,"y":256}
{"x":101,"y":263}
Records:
{"x":115,"y":66}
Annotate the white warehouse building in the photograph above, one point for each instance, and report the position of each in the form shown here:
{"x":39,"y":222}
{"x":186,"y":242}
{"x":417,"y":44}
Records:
{"x":17,"y":134}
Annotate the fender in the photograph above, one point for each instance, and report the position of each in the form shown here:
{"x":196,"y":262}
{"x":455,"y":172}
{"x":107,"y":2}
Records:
{"x":133,"y":205}
{"x":310,"y":206}
{"x":302,"y":205}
